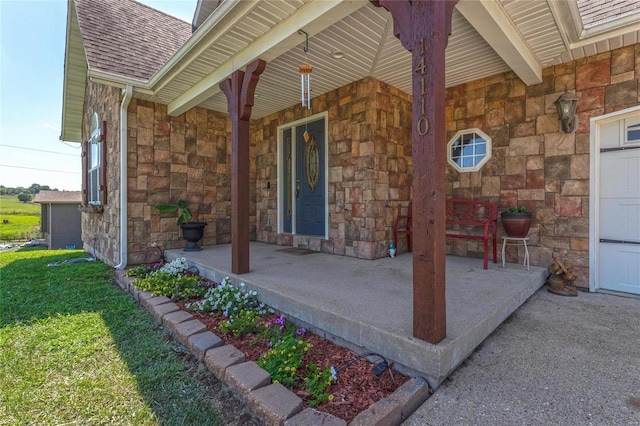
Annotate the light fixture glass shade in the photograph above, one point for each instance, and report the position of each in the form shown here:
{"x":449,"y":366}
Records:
{"x":566,"y":105}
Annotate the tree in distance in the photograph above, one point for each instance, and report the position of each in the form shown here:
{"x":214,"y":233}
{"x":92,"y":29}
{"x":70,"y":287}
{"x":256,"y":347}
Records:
{"x":24,"y":197}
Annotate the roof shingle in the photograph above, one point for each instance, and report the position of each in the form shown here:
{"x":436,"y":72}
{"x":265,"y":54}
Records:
{"x":126,"y":38}
{"x":596,"y":12}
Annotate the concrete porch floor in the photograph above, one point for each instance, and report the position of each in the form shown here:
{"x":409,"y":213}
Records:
{"x":367,"y":304}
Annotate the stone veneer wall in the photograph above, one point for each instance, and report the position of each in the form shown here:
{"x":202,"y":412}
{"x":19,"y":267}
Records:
{"x":187,"y":157}
{"x":369,"y":144}
{"x":169,"y":158}
{"x":534,"y":163}
{"x":369,"y":141}
{"x":101,"y":230}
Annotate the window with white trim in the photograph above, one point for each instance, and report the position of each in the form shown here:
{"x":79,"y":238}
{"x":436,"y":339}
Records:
{"x":469,"y":150}
{"x":94,"y":169}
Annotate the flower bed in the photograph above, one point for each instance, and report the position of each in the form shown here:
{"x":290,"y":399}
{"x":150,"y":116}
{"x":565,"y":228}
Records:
{"x":325,"y":376}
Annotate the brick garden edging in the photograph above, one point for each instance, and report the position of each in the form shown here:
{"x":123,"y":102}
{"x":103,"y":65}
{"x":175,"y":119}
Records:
{"x":273,"y":404}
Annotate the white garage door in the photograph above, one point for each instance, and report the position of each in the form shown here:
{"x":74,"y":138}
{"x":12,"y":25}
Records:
{"x":619,"y":204}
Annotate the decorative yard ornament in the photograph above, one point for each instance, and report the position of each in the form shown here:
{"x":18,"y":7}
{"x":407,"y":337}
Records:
{"x":566,"y":105}
{"x":561,"y":280}
{"x":305,"y":75}
{"x":392,"y":249}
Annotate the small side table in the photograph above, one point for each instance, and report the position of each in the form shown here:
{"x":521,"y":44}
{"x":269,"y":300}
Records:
{"x":516,"y":241}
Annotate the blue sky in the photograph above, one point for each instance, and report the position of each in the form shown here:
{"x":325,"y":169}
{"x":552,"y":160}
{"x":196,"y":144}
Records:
{"x":32,"y":37}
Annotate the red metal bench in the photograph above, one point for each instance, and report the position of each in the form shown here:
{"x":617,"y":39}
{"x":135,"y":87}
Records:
{"x":462,"y":217}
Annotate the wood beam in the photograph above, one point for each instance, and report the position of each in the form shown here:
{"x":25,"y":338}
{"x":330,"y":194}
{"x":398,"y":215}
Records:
{"x":492,"y":23}
{"x":423,"y":27}
{"x":240,"y":89}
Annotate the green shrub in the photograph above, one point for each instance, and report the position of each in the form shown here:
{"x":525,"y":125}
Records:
{"x":274,"y":332}
{"x":183,"y":287}
{"x":170,"y":280}
{"x":142,"y":271}
{"x":247,"y":321}
{"x":284,"y":360}
{"x":316,"y":383}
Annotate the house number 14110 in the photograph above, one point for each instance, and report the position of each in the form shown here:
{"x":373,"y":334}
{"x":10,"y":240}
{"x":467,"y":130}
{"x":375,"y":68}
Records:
{"x":422,"y":125}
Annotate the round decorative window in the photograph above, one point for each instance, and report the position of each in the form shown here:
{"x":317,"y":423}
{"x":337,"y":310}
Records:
{"x":469,"y":150}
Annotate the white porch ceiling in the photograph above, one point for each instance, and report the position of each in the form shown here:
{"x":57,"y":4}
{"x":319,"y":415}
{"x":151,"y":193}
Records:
{"x":528,"y":39}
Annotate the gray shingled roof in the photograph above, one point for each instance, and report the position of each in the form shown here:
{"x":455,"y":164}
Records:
{"x":596,"y":12}
{"x":59,"y":197}
{"x":127,"y":38}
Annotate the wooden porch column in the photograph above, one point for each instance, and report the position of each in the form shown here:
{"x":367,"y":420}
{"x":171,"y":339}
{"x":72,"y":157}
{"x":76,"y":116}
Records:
{"x":423,"y":27}
{"x":240,"y":89}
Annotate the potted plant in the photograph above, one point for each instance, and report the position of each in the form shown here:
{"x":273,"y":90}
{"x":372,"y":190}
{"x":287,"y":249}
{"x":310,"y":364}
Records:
{"x":191,"y":231}
{"x":516,"y":221}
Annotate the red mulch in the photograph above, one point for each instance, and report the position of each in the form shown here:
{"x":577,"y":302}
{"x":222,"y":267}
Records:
{"x":356,"y":388}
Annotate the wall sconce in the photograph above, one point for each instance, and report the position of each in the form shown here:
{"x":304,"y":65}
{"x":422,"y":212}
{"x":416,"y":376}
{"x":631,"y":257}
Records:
{"x":566,"y":104}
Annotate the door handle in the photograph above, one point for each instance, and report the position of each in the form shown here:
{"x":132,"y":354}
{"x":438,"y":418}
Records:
{"x":606,"y":240}
{"x":297,"y":189}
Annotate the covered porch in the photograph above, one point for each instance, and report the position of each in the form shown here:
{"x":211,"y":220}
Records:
{"x":366,"y":305}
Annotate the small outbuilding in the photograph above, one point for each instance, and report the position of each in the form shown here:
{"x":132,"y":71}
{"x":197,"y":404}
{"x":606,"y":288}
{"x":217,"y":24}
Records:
{"x":61,"y":219}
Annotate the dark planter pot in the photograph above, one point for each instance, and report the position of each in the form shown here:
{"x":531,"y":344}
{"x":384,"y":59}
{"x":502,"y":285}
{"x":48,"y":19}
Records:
{"x":193,"y":232}
{"x":516,"y":224}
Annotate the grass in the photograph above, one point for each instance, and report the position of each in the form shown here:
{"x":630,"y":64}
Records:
{"x":23,"y":219}
{"x":9,"y":204}
{"x":76,"y":350}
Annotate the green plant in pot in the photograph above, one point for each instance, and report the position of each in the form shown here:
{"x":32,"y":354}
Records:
{"x":191,"y":231}
{"x":516,"y":221}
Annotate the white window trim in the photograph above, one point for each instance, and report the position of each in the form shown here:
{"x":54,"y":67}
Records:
{"x":94,"y":161}
{"x":482,"y":162}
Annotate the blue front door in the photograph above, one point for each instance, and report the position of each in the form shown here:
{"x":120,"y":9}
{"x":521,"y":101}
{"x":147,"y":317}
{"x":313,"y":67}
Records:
{"x":310,"y":178}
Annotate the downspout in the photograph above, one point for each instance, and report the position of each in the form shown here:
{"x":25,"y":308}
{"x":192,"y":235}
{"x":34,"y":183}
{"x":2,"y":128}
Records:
{"x":124,"y":244}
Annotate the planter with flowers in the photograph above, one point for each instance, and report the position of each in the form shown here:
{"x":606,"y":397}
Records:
{"x":191,"y":231}
{"x":516,"y":222}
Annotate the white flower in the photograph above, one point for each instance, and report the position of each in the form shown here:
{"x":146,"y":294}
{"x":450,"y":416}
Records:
{"x":334,"y":373}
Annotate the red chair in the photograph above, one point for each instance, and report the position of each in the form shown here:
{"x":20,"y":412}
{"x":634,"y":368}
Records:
{"x":402,"y":226}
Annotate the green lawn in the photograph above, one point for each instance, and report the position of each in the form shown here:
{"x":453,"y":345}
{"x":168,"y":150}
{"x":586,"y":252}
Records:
{"x":76,"y":350}
{"x":22,"y":219}
{"x":9,"y":204}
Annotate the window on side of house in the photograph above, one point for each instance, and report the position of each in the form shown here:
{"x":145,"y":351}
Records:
{"x":94,"y":167}
{"x":469,"y":150}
